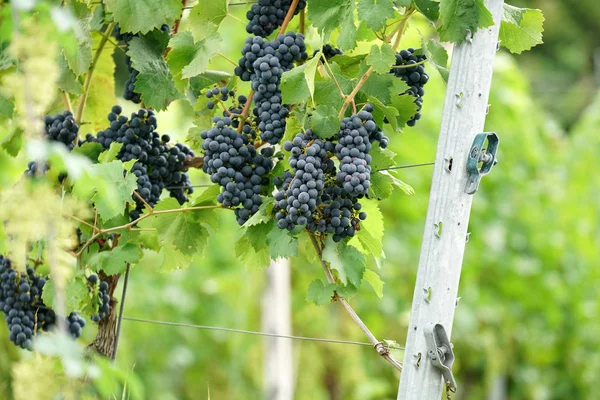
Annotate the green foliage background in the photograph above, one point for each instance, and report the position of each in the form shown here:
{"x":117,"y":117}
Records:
{"x":527,"y":320}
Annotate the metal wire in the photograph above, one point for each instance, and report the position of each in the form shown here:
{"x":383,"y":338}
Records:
{"x":406,"y":166}
{"x":216,"y":328}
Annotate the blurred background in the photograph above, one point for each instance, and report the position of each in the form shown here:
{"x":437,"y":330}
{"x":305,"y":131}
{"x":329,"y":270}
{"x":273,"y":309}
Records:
{"x":528,"y":322}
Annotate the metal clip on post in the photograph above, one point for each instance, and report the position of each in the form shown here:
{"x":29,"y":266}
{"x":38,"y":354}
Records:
{"x":439,"y":350}
{"x":477,"y":155}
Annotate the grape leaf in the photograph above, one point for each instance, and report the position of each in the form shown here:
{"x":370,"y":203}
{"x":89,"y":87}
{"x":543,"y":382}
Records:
{"x":244,"y":251}
{"x":208,"y":196}
{"x":6,"y":107}
{"x":521,"y":28}
{"x":405,"y":187}
{"x":375,"y":12}
{"x":76,"y":294}
{"x":437,"y":56}
{"x":188,"y":59}
{"x":101,"y":95}
{"x":108,"y":187}
{"x":405,"y":104}
{"x":181,"y":230}
{"x":324,"y":121}
{"x":382,"y":186}
{"x":375,"y":282}
{"x":347,"y":260}
{"x":381,"y":58}
{"x":462,"y":17}
{"x":429,"y":8}
{"x":90,"y":150}
{"x":115,"y":261}
{"x":213,"y":11}
{"x":67,"y":81}
{"x":382,"y":158}
{"x":294,"y":87}
{"x":370,"y":234}
{"x":77,"y":47}
{"x":263,"y":214}
{"x":383,"y":87}
{"x":327,"y":15}
{"x":320,"y":294}
{"x":154,"y":82}
{"x":111,"y":154}
{"x":208,"y":78}
{"x":144,"y":15}
{"x":281,"y":243}
{"x":6,"y":58}
{"x":257,"y":235}
{"x":348,"y":33}
{"x":382,"y":112}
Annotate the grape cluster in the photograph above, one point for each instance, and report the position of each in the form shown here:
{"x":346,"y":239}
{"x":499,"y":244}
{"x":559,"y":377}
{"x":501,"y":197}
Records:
{"x":103,"y":298}
{"x":353,"y":147}
{"x":234,"y":163}
{"x":329,"y":52}
{"x":24,"y":310}
{"x":270,"y":112}
{"x":267,"y":15}
{"x":223,"y":94}
{"x":158,"y":165}
{"x":301,"y":191}
{"x":125,"y":37}
{"x":61,"y":128}
{"x":288,"y":48}
{"x":415,"y":77}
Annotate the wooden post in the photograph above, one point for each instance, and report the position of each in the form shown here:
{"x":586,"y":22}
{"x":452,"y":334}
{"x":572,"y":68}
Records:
{"x":447,"y":219}
{"x":276,"y":318}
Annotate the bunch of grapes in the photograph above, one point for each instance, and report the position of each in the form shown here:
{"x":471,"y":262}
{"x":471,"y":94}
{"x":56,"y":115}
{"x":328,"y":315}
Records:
{"x":268,"y":15}
{"x":158,"y":164}
{"x":103,"y":298}
{"x":288,"y":48}
{"x":329,"y":52}
{"x":234,"y":163}
{"x":61,"y":128}
{"x":414,"y":76}
{"x":223,"y":94}
{"x":298,"y":198}
{"x":270,"y":112}
{"x":124,"y":38}
{"x":25,"y":313}
{"x":317,"y":195}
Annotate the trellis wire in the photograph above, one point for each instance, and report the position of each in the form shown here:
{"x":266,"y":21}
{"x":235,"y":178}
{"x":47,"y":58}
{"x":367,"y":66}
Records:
{"x":217,"y":328}
{"x":377,"y":170}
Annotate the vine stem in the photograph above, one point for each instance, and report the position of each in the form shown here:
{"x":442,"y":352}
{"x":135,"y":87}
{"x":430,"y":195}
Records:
{"x":130,"y":225}
{"x":377,"y":345}
{"x":66,"y":101}
{"x":289,"y":16}
{"x":302,"y":21}
{"x":121,"y":308}
{"x":365,"y":77}
{"x":88,"y":78}
{"x":245,"y":111}
{"x":325,"y":63}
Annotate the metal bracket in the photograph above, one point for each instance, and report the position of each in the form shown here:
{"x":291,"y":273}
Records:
{"x":477,"y":155}
{"x":439,"y":350}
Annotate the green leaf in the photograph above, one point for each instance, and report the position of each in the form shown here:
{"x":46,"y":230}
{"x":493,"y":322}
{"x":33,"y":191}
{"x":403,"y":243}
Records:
{"x":76,"y":294}
{"x":188,"y":59}
{"x":208,"y":78}
{"x":257,"y":235}
{"x":90,"y":150}
{"x":429,"y":8}
{"x":405,"y":104}
{"x":382,"y":112}
{"x":375,"y":12}
{"x":320,"y":294}
{"x":181,"y":230}
{"x":209,"y":10}
{"x":6,"y":58}
{"x":115,"y":261}
{"x":462,"y":18}
{"x":101,"y":95}
{"x":437,"y":56}
{"x":144,"y":15}
{"x":208,"y":196}
{"x":370,"y":234}
{"x":244,"y":251}
{"x":281,"y":243}
{"x":382,"y":158}
{"x":77,"y":47}
{"x":375,"y":282}
{"x":324,"y":121}
{"x":347,"y":260}
{"x":381,"y":58}
{"x":67,"y":81}
{"x":155,"y":82}
{"x":348,"y":33}
{"x":6,"y":107}
{"x":263,"y":214}
{"x":294,"y":87}
{"x":382,"y":185}
{"x":521,"y":28}
{"x":110,"y":155}
{"x":405,"y":187}
{"x":327,"y":15}
{"x":107,"y":187}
